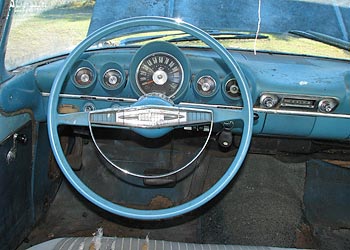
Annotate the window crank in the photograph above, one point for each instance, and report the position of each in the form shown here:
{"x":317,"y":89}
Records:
{"x":17,"y":138}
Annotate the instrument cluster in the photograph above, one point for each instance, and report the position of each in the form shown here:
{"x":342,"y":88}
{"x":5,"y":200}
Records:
{"x":161,"y":68}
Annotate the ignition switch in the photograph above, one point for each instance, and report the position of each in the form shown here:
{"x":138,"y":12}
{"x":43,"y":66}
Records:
{"x":225,"y":137}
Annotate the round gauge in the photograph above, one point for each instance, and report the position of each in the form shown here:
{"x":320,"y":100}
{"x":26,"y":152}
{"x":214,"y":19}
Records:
{"x":206,"y":85}
{"x":159,"y":73}
{"x":112,"y":78}
{"x":231,"y":88}
{"x":83,"y":77}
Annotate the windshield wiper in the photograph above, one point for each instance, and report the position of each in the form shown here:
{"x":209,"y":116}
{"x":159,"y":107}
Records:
{"x":219,"y":36}
{"x":323,"y":38}
{"x":188,"y":38}
{"x":132,"y":40}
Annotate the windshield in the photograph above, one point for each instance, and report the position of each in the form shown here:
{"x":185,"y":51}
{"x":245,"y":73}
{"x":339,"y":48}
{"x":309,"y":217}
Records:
{"x":42,"y":29}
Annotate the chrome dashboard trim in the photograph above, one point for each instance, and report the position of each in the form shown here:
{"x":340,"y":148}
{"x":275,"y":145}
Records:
{"x":301,"y":113}
{"x":255,"y":109}
{"x":271,"y":111}
{"x":91,"y":97}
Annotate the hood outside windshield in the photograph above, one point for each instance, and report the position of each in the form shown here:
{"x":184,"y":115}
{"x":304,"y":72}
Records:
{"x":331,"y":17}
{"x":45,"y":29}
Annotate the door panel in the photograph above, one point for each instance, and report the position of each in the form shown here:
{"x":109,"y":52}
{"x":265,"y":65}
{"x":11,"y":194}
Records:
{"x":16,"y":208}
{"x":8,"y":125}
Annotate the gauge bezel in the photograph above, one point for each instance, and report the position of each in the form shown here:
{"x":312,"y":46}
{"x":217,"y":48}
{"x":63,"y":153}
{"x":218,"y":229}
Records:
{"x":150,"y":56}
{"x":83,"y":64}
{"x":108,"y":67}
{"x":225,"y":82}
{"x":163,"y":48}
{"x":206,"y":73}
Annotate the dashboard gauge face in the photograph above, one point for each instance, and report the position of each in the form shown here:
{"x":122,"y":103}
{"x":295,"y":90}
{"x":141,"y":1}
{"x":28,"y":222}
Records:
{"x":232,"y":89}
{"x":159,"y":73}
{"x":206,"y":85}
{"x":112,"y":78}
{"x":83,"y":77}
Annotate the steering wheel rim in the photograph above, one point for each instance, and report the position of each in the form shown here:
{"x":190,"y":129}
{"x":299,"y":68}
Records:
{"x":52,"y":120}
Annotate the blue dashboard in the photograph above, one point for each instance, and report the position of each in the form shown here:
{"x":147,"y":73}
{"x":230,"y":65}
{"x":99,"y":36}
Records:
{"x":293,"y":95}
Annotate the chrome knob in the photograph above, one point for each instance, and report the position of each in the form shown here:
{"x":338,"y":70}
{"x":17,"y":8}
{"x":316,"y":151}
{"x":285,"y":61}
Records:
{"x":206,"y":85}
{"x":327,"y":105}
{"x":88,"y":107}
{"x":268,"y":101}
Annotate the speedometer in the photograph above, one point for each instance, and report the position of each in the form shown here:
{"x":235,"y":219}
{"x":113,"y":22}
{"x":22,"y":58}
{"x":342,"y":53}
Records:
{"x":159,"y":73}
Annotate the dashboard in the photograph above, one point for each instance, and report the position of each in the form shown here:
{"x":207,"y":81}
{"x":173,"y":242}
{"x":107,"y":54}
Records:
{"x":292,"y":95}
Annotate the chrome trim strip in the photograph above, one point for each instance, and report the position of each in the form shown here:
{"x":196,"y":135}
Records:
{"x":91,"y":97}
{"x":268,"y":111}
{"x":209,"y":105}
{"x":301,"y":113}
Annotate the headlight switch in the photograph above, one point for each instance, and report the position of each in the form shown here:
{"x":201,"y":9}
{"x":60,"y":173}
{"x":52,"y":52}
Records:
{"x":268,"y":100}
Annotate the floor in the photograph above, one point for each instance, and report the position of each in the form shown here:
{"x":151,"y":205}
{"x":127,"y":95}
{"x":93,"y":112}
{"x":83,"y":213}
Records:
{"x":262,"y":206}
{"x":282,"y":200}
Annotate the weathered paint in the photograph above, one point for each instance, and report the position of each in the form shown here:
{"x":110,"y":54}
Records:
{"x":276,"y":16}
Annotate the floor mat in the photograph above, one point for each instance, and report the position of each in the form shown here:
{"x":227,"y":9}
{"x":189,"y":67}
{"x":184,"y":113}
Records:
{"x":263,"y":206}
{"x":327,"y":204}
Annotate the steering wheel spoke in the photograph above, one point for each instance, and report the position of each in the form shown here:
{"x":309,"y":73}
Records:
{"x":73,"y":119}
{"x":226,"y":114}
{"x":221,"y":113}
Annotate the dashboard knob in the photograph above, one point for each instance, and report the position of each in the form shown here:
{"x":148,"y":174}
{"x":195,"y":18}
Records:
{"x":268,"y":101}
{"x":89,"y":107}
{"x":327,"y":105}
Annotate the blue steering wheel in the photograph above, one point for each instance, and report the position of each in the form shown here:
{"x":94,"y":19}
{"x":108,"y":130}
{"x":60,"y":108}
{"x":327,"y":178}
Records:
{"x":219,"y":114}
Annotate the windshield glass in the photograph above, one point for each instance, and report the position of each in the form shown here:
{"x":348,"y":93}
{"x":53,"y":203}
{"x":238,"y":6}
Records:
{"x":42,"y":29}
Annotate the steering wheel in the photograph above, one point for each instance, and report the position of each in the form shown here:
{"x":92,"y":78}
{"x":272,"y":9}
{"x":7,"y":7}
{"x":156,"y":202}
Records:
{"x":217,"y":114}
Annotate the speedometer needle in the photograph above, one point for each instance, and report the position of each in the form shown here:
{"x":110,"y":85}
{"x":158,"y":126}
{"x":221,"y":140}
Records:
{"x":148,"y":82}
